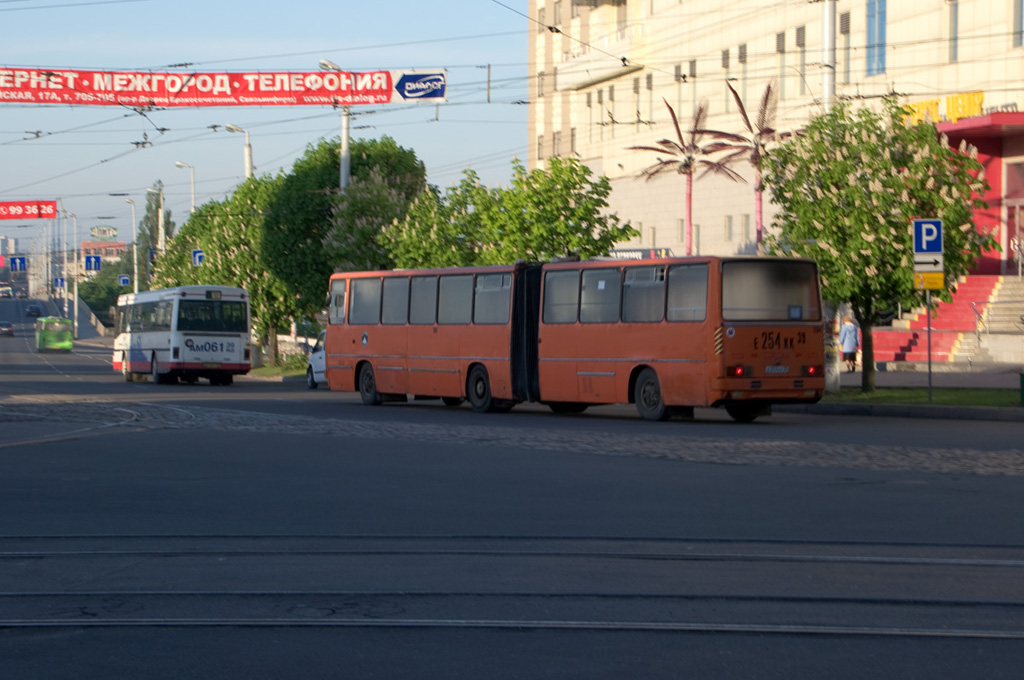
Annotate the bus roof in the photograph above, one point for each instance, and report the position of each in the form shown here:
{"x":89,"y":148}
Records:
{"x":194,"y":291}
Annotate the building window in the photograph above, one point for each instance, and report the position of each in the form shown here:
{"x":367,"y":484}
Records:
{"x":741,"y":57}
{"x":557,"y":12}
{"x":725,"y":67}
{"x":876,"y":37}
{"x":556,"y":143}
{"x":954,"y":21}
{"x":728,"y":227}
{"x":540,"y":147}
{"x":541,"y":24}
{"x":1018,"y":23}
{"x":801,"y":43}
{"x":780,"y":49}
{"x":540,"y":83}
{"x":844,"y":30}
{"x":574,"y":9}
{"x":572,"y":142}
{"x":746,"y":227}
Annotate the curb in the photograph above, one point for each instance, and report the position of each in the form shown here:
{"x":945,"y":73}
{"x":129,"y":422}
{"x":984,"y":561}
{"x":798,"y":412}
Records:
{"x":1009,"y":414}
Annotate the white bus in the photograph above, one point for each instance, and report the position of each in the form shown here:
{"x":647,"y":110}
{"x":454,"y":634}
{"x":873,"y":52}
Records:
{"x":185,"y":333}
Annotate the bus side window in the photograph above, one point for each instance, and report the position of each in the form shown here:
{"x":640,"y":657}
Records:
{"x":423,"y":300}
{"x":600,"y":295}
{"x":455,"y":299}
{"x":395,"y":309}
{"x":688,"y":292}
{"x":493,"y":298}
{"x":336,"y":305}
{"x":364,"y":307}
{"x":643,"y":294}
{"x":561,"y":296}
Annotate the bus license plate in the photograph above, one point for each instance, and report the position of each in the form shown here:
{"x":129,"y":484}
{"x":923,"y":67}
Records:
{"x":776,"y":369}
{"x":211,"y":365}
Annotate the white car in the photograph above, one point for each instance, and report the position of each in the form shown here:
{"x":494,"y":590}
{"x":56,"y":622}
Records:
{"x":316,"y":369}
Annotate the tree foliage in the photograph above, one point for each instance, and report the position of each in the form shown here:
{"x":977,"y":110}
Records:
{"x":847,"y":190}
{"x":311,"y":230}
{"x":557,"y":212}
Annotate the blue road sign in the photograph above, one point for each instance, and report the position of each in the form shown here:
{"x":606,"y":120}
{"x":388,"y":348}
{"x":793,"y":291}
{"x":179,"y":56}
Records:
{"x":123,"y":280}
{"x":197,"y":258}
{"x":18,"y":264}
{"x":422,"y":86}
{"x":58,"y":282}
{"x":92,"y":263}
{"x":928,"y":237}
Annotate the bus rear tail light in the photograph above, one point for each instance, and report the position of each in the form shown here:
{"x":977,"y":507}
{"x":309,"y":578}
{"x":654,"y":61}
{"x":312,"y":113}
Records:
{"x":738,"y":371}
{"x":812,"y":371}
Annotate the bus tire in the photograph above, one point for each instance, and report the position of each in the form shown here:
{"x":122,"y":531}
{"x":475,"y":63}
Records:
{"x":128,"y":377}
{"x":744,"y":413}
{"x":368,"y":386}
{"x":310,"y":380}
{"x":154,"y":370}
{"x":567,"y":407}
{"x":452,"y":402}
{"x":647,"y":395}
{"x":478,"y":388}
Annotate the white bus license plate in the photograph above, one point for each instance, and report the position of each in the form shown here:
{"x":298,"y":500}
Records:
{"x":211,"y":365}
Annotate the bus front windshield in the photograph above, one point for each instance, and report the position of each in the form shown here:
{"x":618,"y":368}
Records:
{"x":218,"y":316}
{"x":770,"y":290}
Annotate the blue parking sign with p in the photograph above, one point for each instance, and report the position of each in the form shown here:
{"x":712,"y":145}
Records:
{"x":123,"y":280}
{"x":197,"y":258}
{"x":928,"y":236}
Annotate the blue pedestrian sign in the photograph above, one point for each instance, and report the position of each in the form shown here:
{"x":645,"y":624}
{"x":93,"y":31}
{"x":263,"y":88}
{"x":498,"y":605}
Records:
{"x":18,"y":264}
{"x":197,"y":258}
{"x":92,"y":263}
{"x":58,"y":282}
{"x":123,"y":280}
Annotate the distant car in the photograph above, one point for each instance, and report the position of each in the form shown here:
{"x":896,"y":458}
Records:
{"x":317,"y":367}
{"x":5,"y":293}
{"x":6,"y":328}
{"x":21,"y":294}
{"x":33,"y":310}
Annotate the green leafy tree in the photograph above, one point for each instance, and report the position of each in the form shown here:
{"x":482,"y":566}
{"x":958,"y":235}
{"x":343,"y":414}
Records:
{"x":311,"y":231}
{"x":557,"y":212}
{"x":847,"y":189}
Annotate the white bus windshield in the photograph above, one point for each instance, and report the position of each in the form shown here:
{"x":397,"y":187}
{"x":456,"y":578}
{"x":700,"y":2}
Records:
{"x":770,"y":290}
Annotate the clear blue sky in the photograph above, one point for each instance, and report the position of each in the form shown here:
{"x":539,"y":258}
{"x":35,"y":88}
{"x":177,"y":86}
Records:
{"x":84,"y":153}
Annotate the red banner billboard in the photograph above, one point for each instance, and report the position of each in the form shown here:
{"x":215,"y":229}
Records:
{"x":28,"y":210}
{"x":278,"y":88}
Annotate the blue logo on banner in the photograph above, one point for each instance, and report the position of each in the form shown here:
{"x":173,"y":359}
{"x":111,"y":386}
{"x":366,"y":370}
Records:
{"x":422,"y":85}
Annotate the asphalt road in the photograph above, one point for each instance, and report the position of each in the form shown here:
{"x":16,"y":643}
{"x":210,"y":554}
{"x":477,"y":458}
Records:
{"x":264,"y":530}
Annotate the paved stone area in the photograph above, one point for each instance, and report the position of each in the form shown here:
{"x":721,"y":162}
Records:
{"x":107,"y":416}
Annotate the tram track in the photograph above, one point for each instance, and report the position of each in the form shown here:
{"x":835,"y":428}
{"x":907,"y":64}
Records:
{"x":569,"y":583}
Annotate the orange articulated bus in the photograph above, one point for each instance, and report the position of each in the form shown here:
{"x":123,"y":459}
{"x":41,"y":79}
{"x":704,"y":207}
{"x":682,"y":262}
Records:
{"x":667,"y":335}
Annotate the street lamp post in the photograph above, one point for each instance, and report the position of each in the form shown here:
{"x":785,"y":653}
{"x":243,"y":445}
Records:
{"x":160,"y":239}
{"x":192,"y":172}
{"x":74,"y":318}
{"x":135,"y":249}
{"x":135,"y":245}
{"x":346,"y":157}
{"x":248,"y":148}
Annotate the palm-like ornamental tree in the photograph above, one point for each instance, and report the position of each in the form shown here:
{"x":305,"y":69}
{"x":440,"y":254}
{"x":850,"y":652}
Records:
{"x":754,"y":147}
{"x":688,"y":154}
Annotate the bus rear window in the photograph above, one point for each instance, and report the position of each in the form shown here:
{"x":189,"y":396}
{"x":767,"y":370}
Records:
{"x":209,"y":315}
{"x":770,"y":290}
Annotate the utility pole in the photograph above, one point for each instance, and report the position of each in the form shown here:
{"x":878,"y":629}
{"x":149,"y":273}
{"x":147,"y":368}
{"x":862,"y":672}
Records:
{"x":828,"y":54}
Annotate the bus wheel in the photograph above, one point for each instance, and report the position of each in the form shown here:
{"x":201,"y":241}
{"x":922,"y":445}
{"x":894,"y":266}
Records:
{"x":310,"y":380}
{"x":452,"y":401}
{"x":368,"y":386}
{"x":479,"y":390}
{"x":158,"y":378}
{"x":567,"y":407}
{"x":128,"y":377}
{"x":743,"y":413}
{"x":647,"y":395}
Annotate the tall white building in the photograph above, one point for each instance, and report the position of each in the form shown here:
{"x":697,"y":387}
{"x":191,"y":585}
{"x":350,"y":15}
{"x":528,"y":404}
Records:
{"x":603,"y":70}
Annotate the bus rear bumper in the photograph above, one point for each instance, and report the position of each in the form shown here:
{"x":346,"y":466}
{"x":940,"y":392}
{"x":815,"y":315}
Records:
{"x":771,"y":390}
